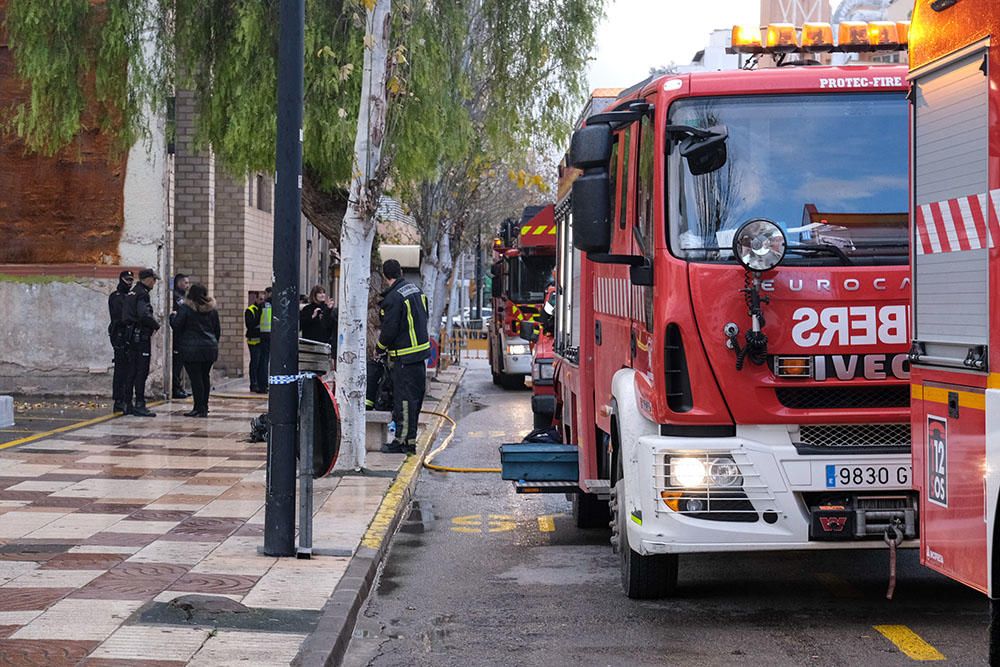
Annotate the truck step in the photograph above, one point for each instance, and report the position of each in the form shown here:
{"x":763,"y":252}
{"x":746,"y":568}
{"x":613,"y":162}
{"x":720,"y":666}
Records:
{"x":551,"y":486}
{"x":598,"y":486}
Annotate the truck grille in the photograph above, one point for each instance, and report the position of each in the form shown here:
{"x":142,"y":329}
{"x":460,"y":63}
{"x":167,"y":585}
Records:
{"x":844,"y":398}
{"x":856,"y":435}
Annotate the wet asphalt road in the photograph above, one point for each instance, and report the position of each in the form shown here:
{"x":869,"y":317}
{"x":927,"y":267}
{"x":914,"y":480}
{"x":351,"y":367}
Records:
{"x":475,"y":578}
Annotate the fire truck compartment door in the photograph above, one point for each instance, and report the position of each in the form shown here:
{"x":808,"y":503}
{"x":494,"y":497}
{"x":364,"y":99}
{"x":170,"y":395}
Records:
{"x":951,"y":237}
{"x":949,"y":463}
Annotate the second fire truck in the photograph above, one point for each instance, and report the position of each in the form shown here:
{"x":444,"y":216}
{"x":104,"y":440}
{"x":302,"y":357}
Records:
{"x":523,"y":257}
{"x":731,"y":333}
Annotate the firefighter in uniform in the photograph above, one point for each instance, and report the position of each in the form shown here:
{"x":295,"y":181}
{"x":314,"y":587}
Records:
{"x":264,"y":351}
{"x":404,"y":339}
{"x":140,"y":326}
{"x":251,"y":319}
{"x":119,"y":340}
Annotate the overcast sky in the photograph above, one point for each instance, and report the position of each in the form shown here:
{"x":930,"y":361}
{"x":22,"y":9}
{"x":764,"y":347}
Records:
{"x":639,"y":34}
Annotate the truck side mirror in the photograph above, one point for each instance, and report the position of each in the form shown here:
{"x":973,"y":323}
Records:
{"x":590,"y":147}
{"x":705,"y":154}
{"x":529,"y":331}
{"x":497,"y":287}
{"x":641,"y":276}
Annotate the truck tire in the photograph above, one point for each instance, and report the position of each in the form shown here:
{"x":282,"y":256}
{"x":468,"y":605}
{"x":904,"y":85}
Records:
{"x":589,"y":511}
{"x":643,"y":577}
{"x":511,"y":381}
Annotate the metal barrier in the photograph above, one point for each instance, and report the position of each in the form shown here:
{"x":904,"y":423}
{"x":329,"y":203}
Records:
{"x":464,"y":343}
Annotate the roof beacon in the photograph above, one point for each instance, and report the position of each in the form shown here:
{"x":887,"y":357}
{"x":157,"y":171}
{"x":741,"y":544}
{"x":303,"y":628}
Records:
{"x":853,"y":37}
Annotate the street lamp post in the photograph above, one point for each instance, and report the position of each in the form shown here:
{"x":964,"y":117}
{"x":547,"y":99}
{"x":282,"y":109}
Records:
{"x":279,"y":513}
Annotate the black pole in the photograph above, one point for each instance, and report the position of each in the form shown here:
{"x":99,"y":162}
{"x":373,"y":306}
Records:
{"x":279,"y":513}
{"x":479,"y":270}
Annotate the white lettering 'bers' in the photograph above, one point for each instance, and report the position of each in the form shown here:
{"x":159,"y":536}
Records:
{"x":850,"y":325}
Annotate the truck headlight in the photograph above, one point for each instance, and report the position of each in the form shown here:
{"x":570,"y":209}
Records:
{"x":518,"y":348}
{"x":691,"y":472}
{"x":759,"y":245}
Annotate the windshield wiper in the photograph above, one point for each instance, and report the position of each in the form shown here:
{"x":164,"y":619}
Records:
{"x":821,"y":248}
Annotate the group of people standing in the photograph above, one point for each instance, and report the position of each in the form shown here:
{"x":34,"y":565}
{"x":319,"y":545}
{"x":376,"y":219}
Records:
{"x":194,"y":319}
{"x":195,"y":323}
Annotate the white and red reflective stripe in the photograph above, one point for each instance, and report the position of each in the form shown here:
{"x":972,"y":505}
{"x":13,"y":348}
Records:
{"x":958,"y":224}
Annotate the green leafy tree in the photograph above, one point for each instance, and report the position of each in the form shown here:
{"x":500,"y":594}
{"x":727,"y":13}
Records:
{"x":397,"y":92}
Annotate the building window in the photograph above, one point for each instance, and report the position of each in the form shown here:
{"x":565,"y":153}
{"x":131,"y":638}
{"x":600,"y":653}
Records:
{"x":259,"y":191}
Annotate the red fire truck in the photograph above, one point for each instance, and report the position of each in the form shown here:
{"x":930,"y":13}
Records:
{"x":731,"y":334}
{"x":955,"y":189}
{"x":523,"y":257}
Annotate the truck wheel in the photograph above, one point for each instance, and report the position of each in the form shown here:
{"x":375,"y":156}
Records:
{"x":643,"y":577}
{"x":511,"y":381}
{"x":589,"y":511}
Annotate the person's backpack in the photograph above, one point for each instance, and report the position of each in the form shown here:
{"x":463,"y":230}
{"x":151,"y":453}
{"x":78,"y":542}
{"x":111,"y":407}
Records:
{"x":259,"y":428}
{"x":378,"y":395}
{"x":548,"y":434}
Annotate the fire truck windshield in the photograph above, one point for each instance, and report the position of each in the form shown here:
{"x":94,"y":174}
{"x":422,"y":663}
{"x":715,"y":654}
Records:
{"x":529,"y":276}
{"x":831,"y":170}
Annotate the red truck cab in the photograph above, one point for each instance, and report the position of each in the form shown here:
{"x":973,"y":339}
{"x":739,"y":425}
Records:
{"x":731,"y":328}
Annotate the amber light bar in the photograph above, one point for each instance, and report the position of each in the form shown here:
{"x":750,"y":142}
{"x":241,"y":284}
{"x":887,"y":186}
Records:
{"x":852,"y":37}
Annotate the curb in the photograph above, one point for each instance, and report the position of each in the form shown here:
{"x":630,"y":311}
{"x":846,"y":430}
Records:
{"x":327,"y":644}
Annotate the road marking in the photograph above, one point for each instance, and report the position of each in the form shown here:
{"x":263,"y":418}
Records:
{"x":909,"y":642}
{"x":66,"y":429}
{"x":838,"y":586}
{"x":547,"y":523}
{"x":480,"y":524}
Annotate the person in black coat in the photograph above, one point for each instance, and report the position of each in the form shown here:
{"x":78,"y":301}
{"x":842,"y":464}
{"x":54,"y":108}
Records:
{"x":119,"y":338}
{"x":140,"y":325}
{"x":316,"y":317}
{"x":197,"y":331}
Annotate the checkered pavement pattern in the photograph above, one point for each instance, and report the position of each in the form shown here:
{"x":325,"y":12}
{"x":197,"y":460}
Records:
{"x":100,"y":524}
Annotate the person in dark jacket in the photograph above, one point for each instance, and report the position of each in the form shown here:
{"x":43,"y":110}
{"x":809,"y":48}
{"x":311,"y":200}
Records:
{"x":119,"y":339}
{"x":405,"y":340}
{"x":315,"y":318}
{"x":181,"y":284}
{"x":197,"y":331}
{"x":251,"y":320}
{"x":141,"y":324}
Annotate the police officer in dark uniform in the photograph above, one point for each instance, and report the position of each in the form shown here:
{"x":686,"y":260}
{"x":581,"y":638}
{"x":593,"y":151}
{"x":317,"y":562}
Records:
{"x":404,"y":339}
{"x":119,"y":339}
{"x":141,"y":325}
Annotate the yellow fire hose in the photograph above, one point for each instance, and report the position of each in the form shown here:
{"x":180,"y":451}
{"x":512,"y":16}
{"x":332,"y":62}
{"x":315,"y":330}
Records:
{"x":444,"y":445}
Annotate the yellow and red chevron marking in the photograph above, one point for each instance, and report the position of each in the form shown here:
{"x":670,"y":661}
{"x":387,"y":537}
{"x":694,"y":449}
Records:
{"x":538,"y":230}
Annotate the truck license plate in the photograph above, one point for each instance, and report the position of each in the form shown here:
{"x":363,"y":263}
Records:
{"x":867,"y":476}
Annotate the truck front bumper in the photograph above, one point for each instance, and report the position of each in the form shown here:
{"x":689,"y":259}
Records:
{"x":779,"y":484}
{"x":517,"y":364}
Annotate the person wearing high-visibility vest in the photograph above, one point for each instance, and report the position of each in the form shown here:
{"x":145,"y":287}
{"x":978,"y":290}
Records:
{"x":404,"y":339}
{"x":265,"y":343}
{"x":251,"y":319}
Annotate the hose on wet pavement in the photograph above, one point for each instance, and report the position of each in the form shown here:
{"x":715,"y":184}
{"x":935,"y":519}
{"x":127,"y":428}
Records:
{"x":428,"y":461}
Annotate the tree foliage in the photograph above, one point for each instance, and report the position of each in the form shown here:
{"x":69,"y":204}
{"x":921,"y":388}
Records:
{"x":463,"y":72}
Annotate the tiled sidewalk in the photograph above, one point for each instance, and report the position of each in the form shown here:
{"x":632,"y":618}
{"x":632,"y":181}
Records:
{"x":112,"y":536}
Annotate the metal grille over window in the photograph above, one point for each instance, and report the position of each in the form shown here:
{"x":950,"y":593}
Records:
{"x":856,"y":435}
{"x":844,"y":398}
